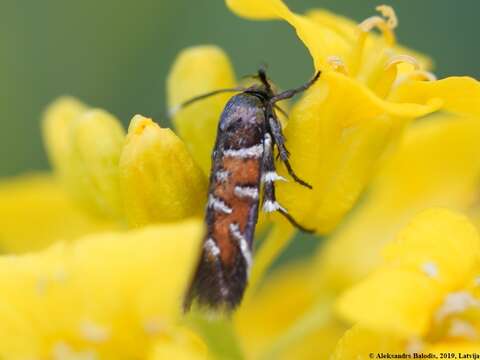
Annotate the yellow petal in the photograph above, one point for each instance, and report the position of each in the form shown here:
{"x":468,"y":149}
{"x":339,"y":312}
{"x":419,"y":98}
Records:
{"x":433,"y":243}
{"x":360,"y":344}
{"x":321,"y":41}
{"x":402,"y":295}
{"x":458,"y":94}
{"x":35,"y":211}
{"x":396,"y":301}
{"x":437,"y":164}
{"x":97,"y":139}
{"x":109,"y":295}
{"x":335,"y":146}
{"x":196,"y":71}
{"x":160,"y":180}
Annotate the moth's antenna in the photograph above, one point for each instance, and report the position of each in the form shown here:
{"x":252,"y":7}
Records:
{"x":262,"y":75}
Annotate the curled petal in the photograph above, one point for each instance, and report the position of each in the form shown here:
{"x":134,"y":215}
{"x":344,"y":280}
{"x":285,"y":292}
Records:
{"x":457,"y":94}
{"x":197,"y":71}
{"x":321,"y":41}
{"x":336,"y":135}
{"x":106,"y":295}
{"x":160,"y":181}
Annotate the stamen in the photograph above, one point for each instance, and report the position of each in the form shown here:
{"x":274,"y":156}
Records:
{"x":430,"y":269}
{"x":414,"y":345}
{"x":389,"y":13}
{"x":454,"y":303}
{"x":462,"y":329}
{"x":401,"y":59}
{"x":385,"y":24}
{"x":420,"y":75}
{"x":94,"y":332}
{"x":338,"y":64}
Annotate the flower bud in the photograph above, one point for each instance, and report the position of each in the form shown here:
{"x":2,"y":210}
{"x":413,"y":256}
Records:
{"x":56,"y":129}
{"x":96,"y":141}
{"x":196,"y":71}
{"x":160,"y":180}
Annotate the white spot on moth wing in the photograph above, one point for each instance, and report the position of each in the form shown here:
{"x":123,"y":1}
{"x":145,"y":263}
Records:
{"x":271,"y":176}
{"x":219,"y":205}
{"x":222,"y":175}
{"x":254,"y":152}
{"x":246,"y":192}
{"x":267,"y":140}
{"x":244,"y":248}
{"x":211,"y":247}
{"x":93,"y":332}
{"x":430,"y":269}
{"x":271,"y":206}
{"x":456,"y":302}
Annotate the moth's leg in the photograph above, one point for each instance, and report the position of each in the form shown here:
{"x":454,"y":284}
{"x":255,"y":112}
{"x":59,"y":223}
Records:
{"x":269,"y":203}
{"x":283,"y":153}
{"x":291,"y":93}
{"x":175,"y":109}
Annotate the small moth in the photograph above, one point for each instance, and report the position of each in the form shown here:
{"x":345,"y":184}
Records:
{"x":243,"y":168}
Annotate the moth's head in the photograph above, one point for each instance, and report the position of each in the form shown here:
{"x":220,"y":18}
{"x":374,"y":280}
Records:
{"x":262,"y":85}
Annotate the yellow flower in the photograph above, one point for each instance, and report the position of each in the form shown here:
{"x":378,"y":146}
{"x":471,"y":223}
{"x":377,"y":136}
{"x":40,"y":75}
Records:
{"x":112,"y":296}
{"x":118,"y":295}
{"x":424,"y":293}
{"x":437,"y":164}
{"x":159,"y":179}
{"x":369,"y":90}
{"x":146,"y":177}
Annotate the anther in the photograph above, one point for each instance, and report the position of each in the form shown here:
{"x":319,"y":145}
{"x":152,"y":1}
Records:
{"x":337,"y":64}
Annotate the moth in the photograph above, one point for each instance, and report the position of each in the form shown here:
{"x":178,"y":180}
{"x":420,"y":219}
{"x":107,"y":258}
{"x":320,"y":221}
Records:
{"x":243,"y":168}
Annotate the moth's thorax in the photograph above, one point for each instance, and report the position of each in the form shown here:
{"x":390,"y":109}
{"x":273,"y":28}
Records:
{"x":242,"y":110}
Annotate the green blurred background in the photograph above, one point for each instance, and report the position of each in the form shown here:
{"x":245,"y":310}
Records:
{"x":116,"y":54}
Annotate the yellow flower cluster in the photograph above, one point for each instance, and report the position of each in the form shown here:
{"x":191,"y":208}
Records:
{"x":97,"y":256}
